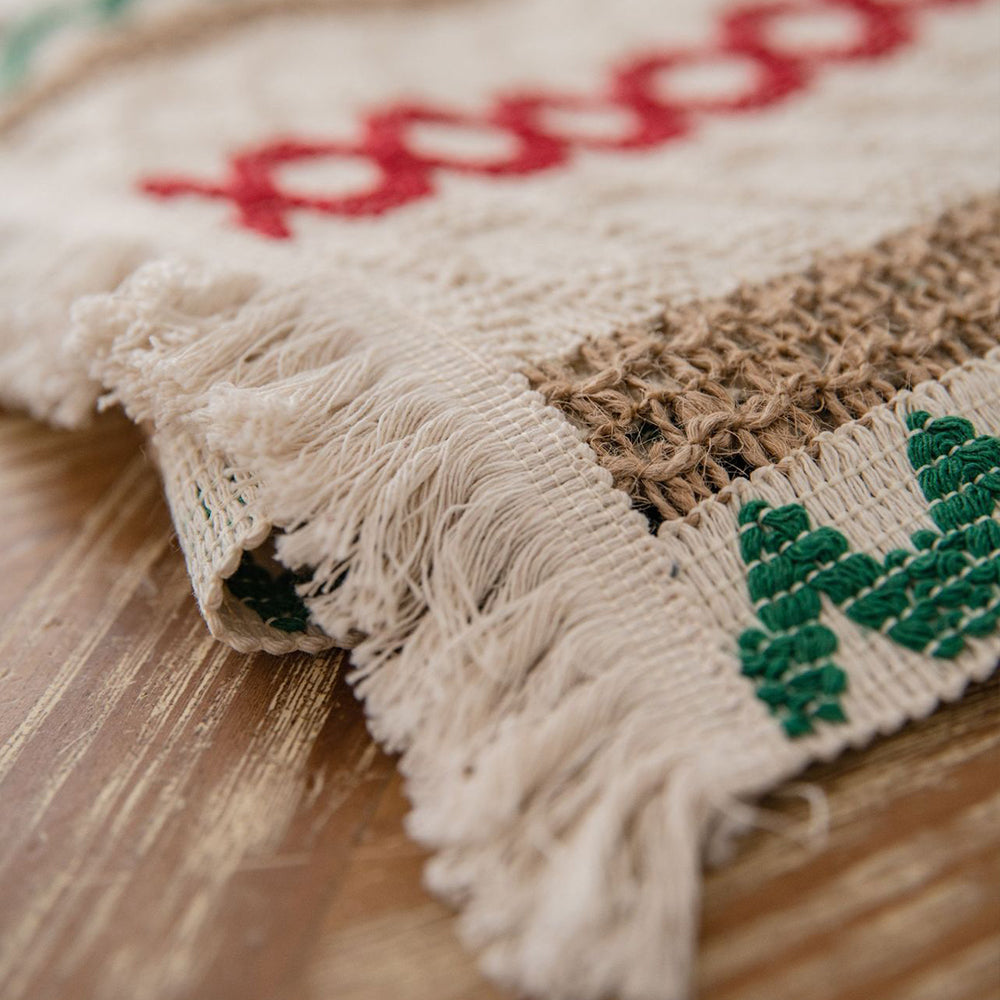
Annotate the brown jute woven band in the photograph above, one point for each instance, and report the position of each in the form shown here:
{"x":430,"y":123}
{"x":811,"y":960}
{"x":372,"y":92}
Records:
{"x":715,"y":389}
{"x":431,"y":310}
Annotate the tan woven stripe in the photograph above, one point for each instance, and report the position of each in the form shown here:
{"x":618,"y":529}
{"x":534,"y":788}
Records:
{"x":722,"y":387}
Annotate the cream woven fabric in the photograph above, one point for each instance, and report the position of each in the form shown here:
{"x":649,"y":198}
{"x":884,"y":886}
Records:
{"x":317,"y":250}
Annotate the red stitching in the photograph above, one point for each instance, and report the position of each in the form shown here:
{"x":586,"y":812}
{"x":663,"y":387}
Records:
{"x":262,"y":204}
{"x":777,"y":77}
{"x":651,"y":125}
{"x":637,"y":87}
{"x":535,"y":151}
{"x":885,"y":23}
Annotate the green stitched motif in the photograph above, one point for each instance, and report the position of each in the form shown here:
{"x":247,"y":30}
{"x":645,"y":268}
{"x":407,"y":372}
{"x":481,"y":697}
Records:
{"x":20,"y":43}
{"x":930,"y":598}
{"x":269,"y":592}
{"x":790,"y":661}
{"x":273,"y":598}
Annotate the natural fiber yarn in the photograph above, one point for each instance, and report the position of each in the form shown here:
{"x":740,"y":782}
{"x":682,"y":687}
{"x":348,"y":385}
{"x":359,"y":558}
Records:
{"x":725,"y":387}
{"x":631,"y":407}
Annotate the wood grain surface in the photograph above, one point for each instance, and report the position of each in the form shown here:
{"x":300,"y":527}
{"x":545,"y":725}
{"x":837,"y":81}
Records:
{"x":179,"y":821}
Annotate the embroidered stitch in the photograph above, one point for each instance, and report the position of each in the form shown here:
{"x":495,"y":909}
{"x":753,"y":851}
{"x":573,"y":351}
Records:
{"x":638,"y":86}
{"x":265,"y":589}
{"x":272,"y":597}
{"x":930,"y":599}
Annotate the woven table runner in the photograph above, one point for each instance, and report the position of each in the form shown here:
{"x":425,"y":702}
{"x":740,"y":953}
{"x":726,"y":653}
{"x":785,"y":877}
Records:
{"x":620,"y":381}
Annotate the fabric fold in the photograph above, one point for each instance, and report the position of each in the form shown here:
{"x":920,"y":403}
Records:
{"x":631,"y":411}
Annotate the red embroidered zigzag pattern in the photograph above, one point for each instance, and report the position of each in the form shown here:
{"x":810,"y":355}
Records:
{"x":637,"y":86}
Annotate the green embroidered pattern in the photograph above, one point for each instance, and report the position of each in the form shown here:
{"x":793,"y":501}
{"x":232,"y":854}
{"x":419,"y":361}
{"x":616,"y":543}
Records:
{"x":930,"y":598}
{"x":20,"y":43}
{"x":273,"y":598}
{"x":269,"y":592}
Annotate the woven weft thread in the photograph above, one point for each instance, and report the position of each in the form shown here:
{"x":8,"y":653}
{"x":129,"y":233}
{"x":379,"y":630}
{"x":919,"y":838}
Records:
{"x":720,"y":388}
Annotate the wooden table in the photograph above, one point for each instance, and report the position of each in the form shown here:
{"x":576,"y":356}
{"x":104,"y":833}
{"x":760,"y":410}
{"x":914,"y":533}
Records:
{"x":180,"y":821}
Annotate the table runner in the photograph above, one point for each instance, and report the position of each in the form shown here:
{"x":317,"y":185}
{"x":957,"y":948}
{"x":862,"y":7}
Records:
{"x":619,"y":381}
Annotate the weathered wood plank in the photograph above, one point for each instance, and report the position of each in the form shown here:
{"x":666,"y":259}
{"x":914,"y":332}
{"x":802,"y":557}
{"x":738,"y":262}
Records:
{"x":179,"y":821}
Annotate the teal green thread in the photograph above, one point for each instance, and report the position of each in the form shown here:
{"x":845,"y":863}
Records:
{"x":930,"y":598}
{"x":201,"y":503}
{"x":21,"y":43}
{"x":274,"y":598}
{"x":271,"y":595}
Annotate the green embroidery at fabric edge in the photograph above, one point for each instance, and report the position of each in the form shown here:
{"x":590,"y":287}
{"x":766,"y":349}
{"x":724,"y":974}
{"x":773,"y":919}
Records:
{"x":930,"y":598}
{"x":271,"y":595}
{"x":19,"y":44}
{"x":273,"y":598}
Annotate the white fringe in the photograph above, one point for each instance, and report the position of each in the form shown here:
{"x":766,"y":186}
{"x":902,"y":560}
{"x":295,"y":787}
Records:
{"x":563,"y":687}
{"x":569,"y":738}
